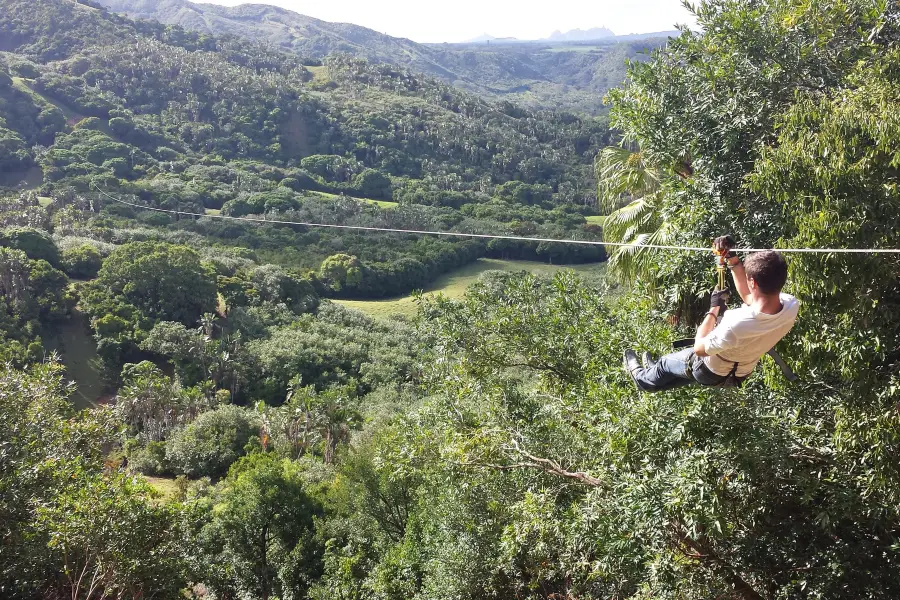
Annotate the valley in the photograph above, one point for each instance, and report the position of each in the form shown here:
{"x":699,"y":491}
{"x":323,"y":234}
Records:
{"x":219,"y":380}
{"x":454,"y":285}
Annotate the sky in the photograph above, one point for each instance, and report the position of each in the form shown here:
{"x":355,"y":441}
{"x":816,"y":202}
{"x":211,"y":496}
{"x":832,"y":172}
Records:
{"x":459,"y":20}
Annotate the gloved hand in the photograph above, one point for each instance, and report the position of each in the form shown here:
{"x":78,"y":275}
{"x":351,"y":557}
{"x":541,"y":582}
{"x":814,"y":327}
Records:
{"x":724,"y":244}
{"x":720,"y":298}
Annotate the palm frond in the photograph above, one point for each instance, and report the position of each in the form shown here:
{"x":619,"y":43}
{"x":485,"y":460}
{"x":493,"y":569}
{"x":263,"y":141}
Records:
{"x":621,"y":172}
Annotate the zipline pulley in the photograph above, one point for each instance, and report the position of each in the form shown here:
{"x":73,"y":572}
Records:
{"x":721,"y":257}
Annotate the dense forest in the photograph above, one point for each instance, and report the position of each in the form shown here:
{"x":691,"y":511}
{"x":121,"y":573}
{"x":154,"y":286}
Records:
{"x":259,"y":440}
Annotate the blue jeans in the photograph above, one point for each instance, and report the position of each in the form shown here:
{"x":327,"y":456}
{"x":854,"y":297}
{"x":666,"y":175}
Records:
{"x":676,"y":370}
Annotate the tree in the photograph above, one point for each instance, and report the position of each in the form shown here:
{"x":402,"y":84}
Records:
{"x":71,"y":527}
{"x":14,"y":270}
{"x":735,"y":481}
{"x":208,"y":446}
{"x":273,"y":284}
{"x":48,"y":291}
{"x":373,"y":184}
{"x":151,"y":404}
{"x":341,"y":271}
{"x":625,"y":174}
{"x":707,"y":103}
{"x":108,"y":538}
{"x":265,"y":527}
{"x":82,"y":262}
{"x":165,"y":281}
{"x":36,"y":244}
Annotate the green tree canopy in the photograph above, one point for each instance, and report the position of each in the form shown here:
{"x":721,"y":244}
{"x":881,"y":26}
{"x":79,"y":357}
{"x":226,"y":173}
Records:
{"x":165,"y":281}
{"x":264,"y":528}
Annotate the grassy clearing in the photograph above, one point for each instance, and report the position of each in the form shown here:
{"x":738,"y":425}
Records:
{"x":380,"y":203}
{"x":595,"y":219}
{"x":454,"y":285}
{"x":45,"y":201}
{"x":71,"y":116}
{"x":213,"y":212}
{"x":75,"y":345}
{"x":320,"y":74}
{"x":166,"y":487}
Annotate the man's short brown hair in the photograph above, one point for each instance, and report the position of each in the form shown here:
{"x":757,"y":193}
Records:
{"x":768,"y":269}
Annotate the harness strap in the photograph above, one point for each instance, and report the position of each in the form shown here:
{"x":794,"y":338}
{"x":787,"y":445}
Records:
{"x":732,"y":376}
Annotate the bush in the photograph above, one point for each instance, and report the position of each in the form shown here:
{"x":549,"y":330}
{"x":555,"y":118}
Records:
{"x":149,"y":459}
{"x":25,"y":69}
{"x":209,"y":445}
{"x":91,"y":123}
{"x":83,"y":262}
{"x":36,"y":244}
{"x":373,"y":184}
{"x":155,"y":219}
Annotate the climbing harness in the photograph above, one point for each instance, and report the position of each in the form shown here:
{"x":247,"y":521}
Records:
{"x":732,"y":380}
{"x":782,"y":365}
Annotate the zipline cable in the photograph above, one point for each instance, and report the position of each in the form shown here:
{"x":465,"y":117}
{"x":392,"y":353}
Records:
{"x":500,"y":237}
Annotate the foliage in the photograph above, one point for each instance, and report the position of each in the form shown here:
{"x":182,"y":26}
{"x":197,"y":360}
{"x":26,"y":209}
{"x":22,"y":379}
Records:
{"x":70,"y":527}
{"x":341,"y":270}
{"x":49,"y":293}
{"x":164,"y":281}
{"x":311,"y":421}
{"x":153,"y":406}
{"x":32,"y":294}
{"x":36,"y":244}
{"x":624,"y":174}
{"x":567,"y":76}
{"x":108,"y":539}
{"x":703,"y":110}
{"x":494,"y":448}
{"x":337,"y":346}
{"x":82,"y":262}
{"x":263,"y":529}
{"x":141,"y":282}
{"x":642,"y":509}
{"x":209,"y":445}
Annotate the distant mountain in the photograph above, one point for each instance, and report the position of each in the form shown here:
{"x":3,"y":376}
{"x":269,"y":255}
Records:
{"x":486,"y":37}
{"x":498,"y":68}
{"x":287,"y":29}
{"x":580,"y":35}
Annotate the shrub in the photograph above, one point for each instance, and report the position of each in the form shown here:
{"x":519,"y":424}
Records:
{"x":36,"y":244}
{"x":82,"y":262}
{"x":209,"y":445}
{"x":149,"y":459}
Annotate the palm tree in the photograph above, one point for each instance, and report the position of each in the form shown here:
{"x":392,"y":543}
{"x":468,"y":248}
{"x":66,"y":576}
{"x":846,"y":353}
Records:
{"x":625,"y":176}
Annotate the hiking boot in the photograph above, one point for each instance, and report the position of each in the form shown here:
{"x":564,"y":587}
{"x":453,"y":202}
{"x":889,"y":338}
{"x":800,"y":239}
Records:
{"x":648,"y":361}
{"x":632,"y":364}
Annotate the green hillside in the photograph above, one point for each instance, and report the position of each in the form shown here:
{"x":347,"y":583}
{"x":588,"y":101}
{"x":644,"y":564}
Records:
{"x":222,"y":124}
{"x":558,"y":76}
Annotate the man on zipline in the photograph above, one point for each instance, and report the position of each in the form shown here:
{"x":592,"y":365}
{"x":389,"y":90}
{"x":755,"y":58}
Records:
{"x":727,"y":345}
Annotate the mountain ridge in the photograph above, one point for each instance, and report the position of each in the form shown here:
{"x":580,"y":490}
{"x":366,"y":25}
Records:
{"x":524,"y":72}
{"x":581,"y":35}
